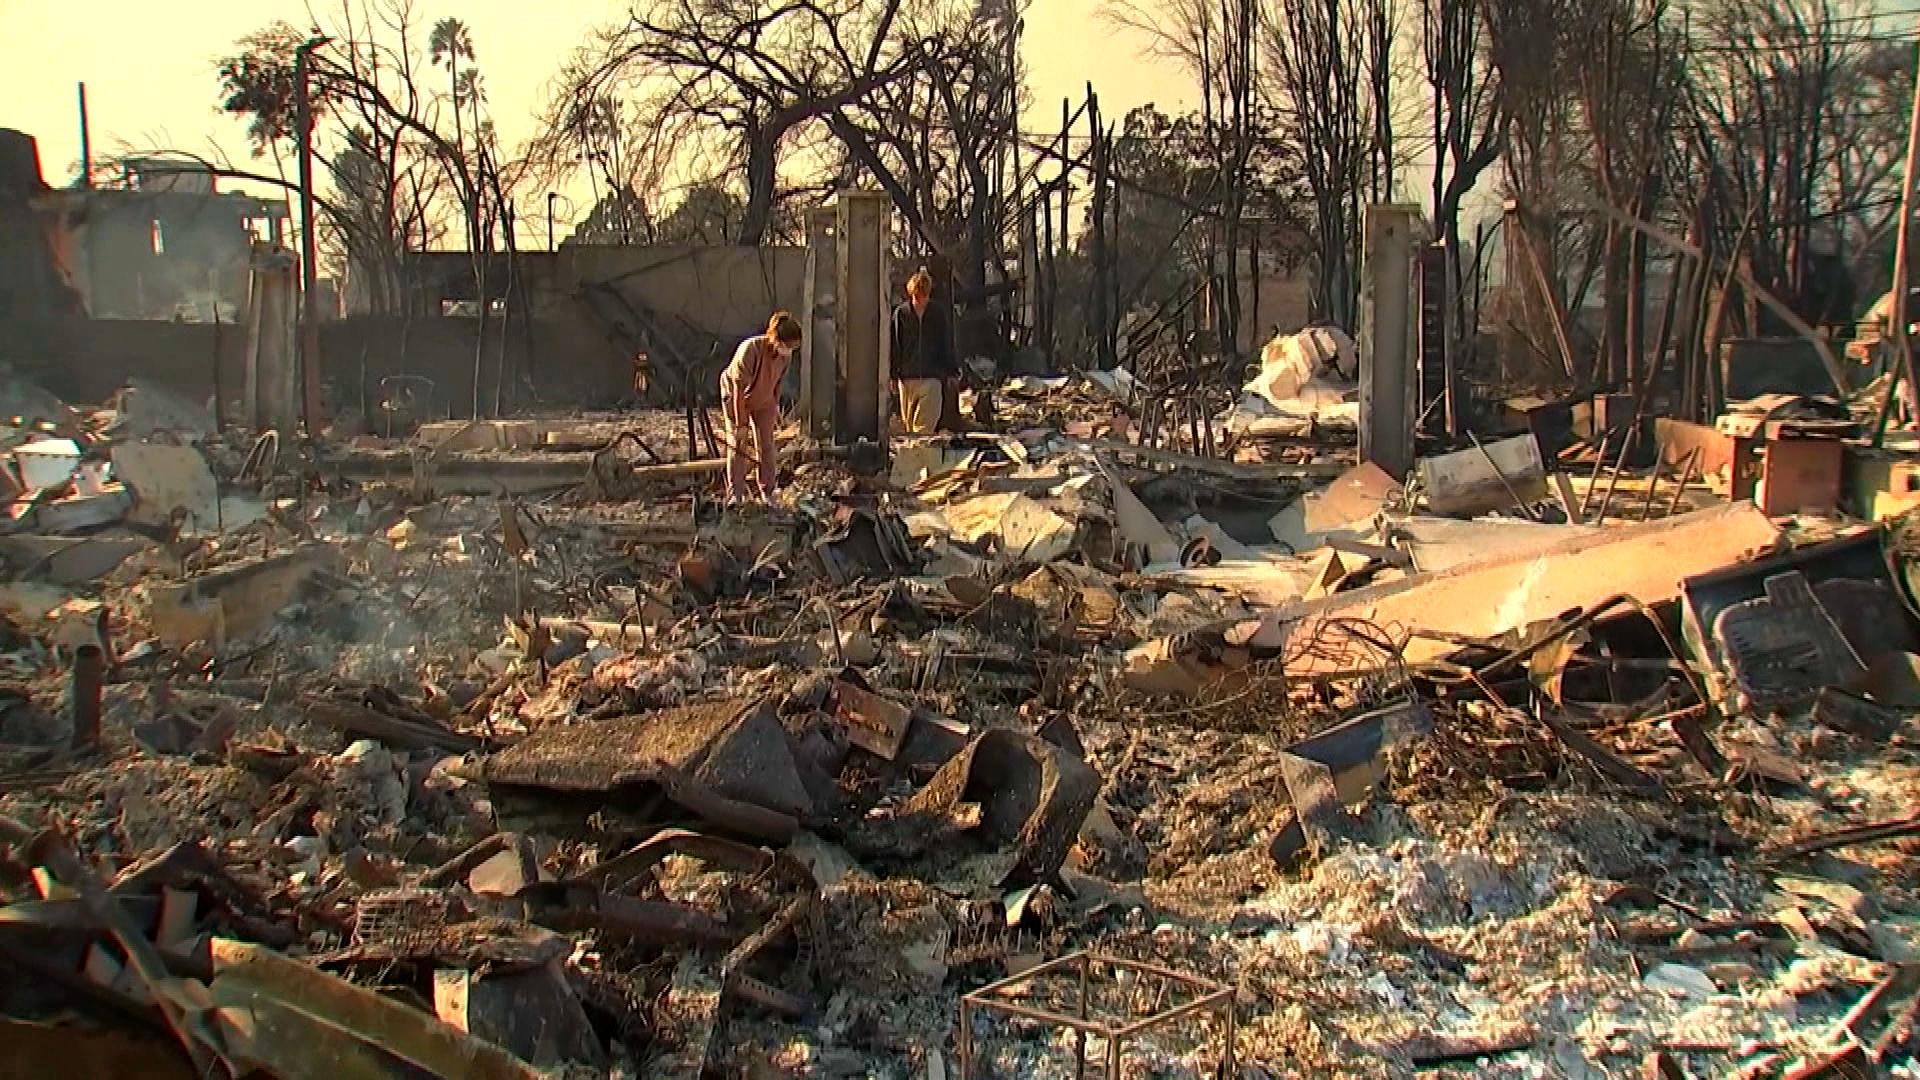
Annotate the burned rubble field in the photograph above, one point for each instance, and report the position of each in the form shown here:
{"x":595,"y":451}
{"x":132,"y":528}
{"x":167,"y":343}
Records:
{"x":609,"y":779}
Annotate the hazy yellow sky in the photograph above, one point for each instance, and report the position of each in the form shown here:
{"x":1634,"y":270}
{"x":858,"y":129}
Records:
{"x":149,"y":67}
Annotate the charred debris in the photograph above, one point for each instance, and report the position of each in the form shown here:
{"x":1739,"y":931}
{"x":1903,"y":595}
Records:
{"x":1060,"y":747}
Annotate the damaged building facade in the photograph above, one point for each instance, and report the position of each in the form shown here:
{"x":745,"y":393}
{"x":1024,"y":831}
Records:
{"x":1169,"y":719}
{"x":169,"y":247}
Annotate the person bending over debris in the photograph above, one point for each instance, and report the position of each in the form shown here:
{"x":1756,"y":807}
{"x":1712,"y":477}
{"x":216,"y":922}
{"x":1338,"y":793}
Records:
{"x":750,"y":400}
{"x":922,"y":357}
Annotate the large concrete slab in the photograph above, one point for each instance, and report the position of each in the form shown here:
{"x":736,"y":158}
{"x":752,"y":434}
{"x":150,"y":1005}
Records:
{"x":1479,"y":599}
{"x":1444,"y":543}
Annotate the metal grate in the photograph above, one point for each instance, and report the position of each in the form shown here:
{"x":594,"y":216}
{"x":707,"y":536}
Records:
{"x":1101,"y":998}
{"x":402,"y":918}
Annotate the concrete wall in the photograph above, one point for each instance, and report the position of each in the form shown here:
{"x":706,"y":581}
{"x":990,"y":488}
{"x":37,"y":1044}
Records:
{"x":1286,"y":307}
{"x":1750,"y":367}
{"x":728,"y":291}
{"x":84,"y":361}
{"x":569,"y":360}
{"x":155,"y":254}
{"x":723,"y":290}
{"x":569,"y":366}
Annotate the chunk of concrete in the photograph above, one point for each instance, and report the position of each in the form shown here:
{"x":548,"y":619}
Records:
{"x":62,"y":560}
{"x":143,"y":409}
{"x":75,"y":513}
{"x":1494,"y":476}
{"x":46,"y":463}
{"x":481,"y":435}
{"x":736,"y":750}
{"x":170,"y":484}
{"x":1024,"y":528}
{"x":235,"y":602}
{"x":1348,"y":505}
{"x":31,"y":601}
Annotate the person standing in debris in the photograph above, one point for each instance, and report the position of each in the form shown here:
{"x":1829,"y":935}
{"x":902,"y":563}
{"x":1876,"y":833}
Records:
{"x":750,"y":400}
{"x":922,"y":357}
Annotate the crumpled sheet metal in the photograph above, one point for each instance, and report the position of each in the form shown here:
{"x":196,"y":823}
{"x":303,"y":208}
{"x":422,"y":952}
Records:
{"x":735,"y":749}
{"x":1032,"y":796}
{"x":863,"y":543}
{"x":284,"y":1018}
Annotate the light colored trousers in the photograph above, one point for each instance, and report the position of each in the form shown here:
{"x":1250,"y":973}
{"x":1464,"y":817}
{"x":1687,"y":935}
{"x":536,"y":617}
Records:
{"x":920,"y":404}
{"x":752,"y":455}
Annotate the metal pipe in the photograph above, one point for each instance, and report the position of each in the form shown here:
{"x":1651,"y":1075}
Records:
{"x":1593,"y":481}
{"x":1686,"y":477}
{"x":1227,"y":1071}
{"x":1653,"y":484}
{"x":1058,"y":1019}
{"x":1080,"y":1034}
{"x":966,"y":1039}
{"x":1202,"y":1005}
{"x":1026,"y":976}
{"x":89,"y":673}
{"x":1626,"y":447}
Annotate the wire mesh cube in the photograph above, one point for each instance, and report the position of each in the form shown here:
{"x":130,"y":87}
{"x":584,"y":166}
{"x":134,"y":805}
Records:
{"x":1104,"y":999}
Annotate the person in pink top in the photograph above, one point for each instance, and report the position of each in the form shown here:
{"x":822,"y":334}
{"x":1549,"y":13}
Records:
{"x":750,"y":401}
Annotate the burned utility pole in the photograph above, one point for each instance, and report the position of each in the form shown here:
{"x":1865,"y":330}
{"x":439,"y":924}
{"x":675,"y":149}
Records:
{"x":86,"y":142}
{"x":1897,"y":312}
{"x":309,"y":258}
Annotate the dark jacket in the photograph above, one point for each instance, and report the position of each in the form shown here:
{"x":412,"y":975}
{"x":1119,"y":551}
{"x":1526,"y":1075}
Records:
{"x":922,"y":344}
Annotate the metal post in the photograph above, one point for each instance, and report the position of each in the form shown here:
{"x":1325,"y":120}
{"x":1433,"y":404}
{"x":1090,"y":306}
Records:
{"x":309,"y":258}
{"x":550,"y":197}
{"x":1902,"y":348}
{"x":1633,"y":436}
{"x":86,"y":142}
{"x":1227,"y":1071}
{"x":1653,"y":481}
{"x":1686,"y":477}
{"x":1386,"y":382}
{"x":1047,"y":299}
{"x":966,"y":1040}
{"x":1080,"y":1033}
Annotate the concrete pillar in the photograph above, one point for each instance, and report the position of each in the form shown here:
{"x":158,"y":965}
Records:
{"x":817,"y":356}
{"x":1387,"y":385}
{"x":861,"y":328}
{"x":272,"y":388}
